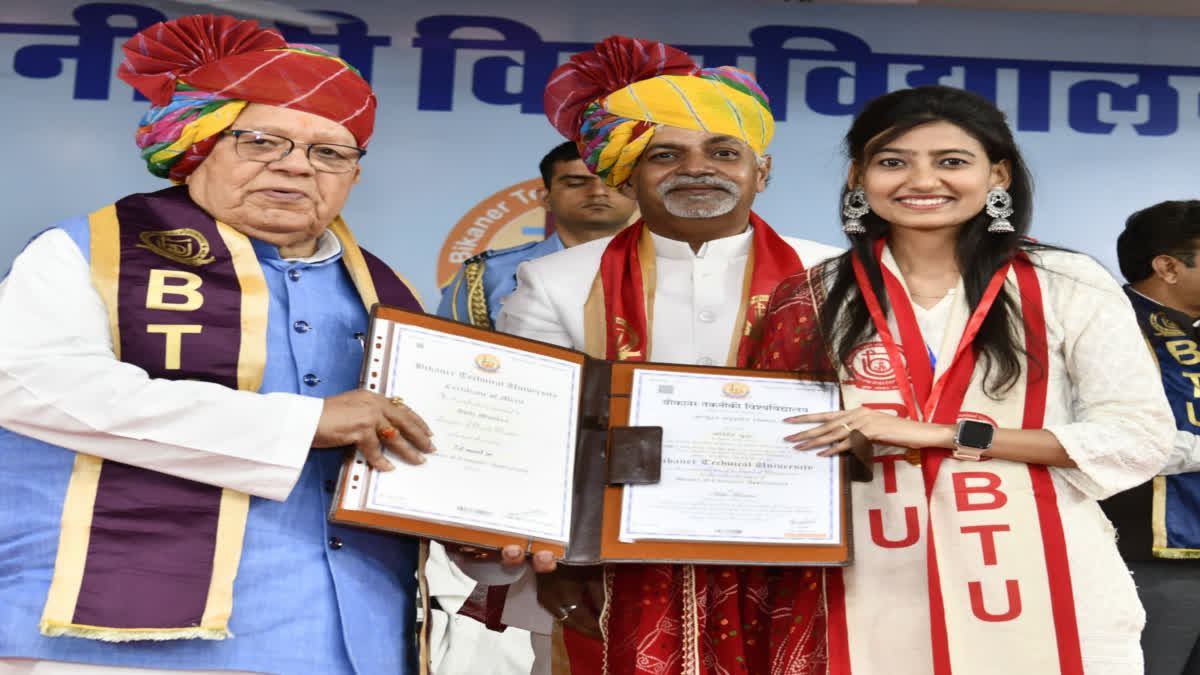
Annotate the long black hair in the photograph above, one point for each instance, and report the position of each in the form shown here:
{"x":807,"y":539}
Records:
{"x":980,"y":253}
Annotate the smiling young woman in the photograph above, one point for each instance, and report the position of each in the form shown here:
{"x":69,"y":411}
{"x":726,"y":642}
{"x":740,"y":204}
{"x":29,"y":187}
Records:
{"x":982,"y":346}
{"x":935,"y":176}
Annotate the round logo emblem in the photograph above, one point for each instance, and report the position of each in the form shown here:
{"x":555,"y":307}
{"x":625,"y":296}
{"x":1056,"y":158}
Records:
{"x":736,"y":390}
{"x":870,"y":367}
{"x":510,"y":217}
{"x":488,"y":363}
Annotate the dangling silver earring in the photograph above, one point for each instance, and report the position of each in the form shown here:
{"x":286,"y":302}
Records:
{"x":854,"y":207}
{"x":999,"y":207}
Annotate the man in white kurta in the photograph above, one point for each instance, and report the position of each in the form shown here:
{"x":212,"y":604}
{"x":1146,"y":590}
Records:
{"x":696,"y":295}
{"x":696,"y":301}
{"x":682,"y":286}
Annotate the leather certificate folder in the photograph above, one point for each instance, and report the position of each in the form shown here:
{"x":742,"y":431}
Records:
{"x":609,"y":456}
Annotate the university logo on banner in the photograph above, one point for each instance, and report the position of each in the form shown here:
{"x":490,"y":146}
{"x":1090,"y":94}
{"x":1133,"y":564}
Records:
{"x":510,"y":217}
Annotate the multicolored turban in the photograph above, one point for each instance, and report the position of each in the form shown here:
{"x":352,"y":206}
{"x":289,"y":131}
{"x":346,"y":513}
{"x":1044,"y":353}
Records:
{"x":611,"y":99}
{"x":199,"y":72}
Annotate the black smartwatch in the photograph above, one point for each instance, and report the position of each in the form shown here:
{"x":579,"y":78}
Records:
{"x":971,"y":439}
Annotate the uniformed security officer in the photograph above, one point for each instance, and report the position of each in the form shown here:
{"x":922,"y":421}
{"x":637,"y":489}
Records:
{"x":584,"y":208}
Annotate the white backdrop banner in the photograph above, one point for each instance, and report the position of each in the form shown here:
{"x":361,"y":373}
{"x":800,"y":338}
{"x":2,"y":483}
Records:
{"x":1106,"y":109}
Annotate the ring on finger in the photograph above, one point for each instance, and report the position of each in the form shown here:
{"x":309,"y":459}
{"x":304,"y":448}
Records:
{"x":396,"y":400}
{"x":565,"y":611}
{"x":847,"y":427}
{"x":387,"y":433}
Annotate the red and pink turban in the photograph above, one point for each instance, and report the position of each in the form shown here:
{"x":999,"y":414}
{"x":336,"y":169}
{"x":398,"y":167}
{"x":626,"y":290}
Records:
{"x":611,"y":99}
{"x":199,"y":72}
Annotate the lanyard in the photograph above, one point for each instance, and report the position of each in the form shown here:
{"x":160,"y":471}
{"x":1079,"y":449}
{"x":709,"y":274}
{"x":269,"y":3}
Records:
{"x":914,"y":375}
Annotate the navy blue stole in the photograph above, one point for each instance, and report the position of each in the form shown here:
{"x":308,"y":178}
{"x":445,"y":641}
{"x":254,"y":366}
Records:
{"x":1175,"y":342}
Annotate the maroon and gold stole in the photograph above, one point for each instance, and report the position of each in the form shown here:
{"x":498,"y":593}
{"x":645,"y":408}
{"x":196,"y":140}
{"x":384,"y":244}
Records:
{"x":143,"y":555}
{"x":971,"y":555}
{"x":658,"y":613}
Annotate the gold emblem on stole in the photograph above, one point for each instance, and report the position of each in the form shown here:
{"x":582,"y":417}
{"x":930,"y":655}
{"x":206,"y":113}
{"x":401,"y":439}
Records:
{"x":1164,"y":327}
{"x":758,"y":309}
{"x":185,"y":245}
{"x":628,"y":340}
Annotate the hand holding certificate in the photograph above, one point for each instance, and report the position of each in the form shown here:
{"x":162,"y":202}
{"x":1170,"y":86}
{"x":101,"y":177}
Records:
{"x":596,"y":461}
{"x":476,"y":398}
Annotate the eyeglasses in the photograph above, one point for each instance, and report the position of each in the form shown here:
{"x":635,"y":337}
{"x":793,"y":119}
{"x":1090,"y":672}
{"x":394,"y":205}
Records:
{"x":259,"y":146}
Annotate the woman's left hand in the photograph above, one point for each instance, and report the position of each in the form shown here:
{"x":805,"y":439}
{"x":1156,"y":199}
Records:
{"x":833,"y":429}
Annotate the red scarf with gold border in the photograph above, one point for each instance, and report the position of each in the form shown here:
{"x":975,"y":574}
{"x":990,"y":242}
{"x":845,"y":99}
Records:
{"x":627,"y":277}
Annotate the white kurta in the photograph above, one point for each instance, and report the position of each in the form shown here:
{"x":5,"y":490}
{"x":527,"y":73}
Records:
{"x":696,"y":301}
{"x":1106,"y":406}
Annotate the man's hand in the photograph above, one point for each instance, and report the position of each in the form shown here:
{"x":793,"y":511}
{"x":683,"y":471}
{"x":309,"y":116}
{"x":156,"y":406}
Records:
{"x":510,"y":556}
{"x":575,"y":597}
{"x":371,"y":422}
{"x":542,"y":562}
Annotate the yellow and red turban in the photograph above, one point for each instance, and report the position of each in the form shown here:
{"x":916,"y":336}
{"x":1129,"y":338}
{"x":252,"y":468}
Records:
{"x":199,"y":72}
{"x":611,"y":99}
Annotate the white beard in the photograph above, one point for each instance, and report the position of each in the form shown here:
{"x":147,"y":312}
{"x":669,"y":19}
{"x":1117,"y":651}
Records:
{"x":708,"y":206}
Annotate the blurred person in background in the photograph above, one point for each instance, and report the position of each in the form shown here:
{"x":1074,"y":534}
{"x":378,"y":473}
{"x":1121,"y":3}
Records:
{"x":1158,"y":522}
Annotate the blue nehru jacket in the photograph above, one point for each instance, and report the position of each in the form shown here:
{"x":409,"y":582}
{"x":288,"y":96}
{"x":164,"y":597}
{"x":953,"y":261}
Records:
{"x":310,"y":597}
{"x":484,"y":281}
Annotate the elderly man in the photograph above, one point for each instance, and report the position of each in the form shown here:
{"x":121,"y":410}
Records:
{"x":584,"y":209}
{"x":168,"y":364}
{"x":686,"y":284}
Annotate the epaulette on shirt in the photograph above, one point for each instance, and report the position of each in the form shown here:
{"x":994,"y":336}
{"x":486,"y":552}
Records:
{"x":500,"y":252}
{"x":473,"y":267}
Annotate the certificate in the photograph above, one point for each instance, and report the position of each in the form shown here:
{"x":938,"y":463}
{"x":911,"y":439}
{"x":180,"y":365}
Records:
{"x":727,"y":474}
{"x":596,"y":461}
{"x":504,"y":423}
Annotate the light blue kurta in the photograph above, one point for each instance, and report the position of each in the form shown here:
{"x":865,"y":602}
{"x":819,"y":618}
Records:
{"x":310,"y":597}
